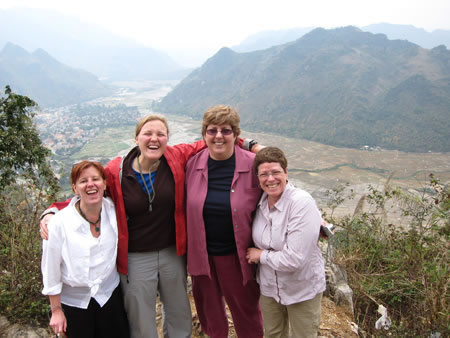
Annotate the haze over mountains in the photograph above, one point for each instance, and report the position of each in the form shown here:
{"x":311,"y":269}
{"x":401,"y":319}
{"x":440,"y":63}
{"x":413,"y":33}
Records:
{"x":45,"y":80}
{"x":341,"y":87}
{"x":86,"y":46}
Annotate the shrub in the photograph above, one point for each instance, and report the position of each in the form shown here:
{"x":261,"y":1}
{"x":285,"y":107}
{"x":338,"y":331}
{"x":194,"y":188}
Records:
{"x":20,"y":255}
{"x":404,"y":269}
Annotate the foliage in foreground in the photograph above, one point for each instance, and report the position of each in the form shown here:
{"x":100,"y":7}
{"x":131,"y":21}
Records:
{"x":20,"y":256}
{"x":404,"y":269}
{"x":27,"y":183}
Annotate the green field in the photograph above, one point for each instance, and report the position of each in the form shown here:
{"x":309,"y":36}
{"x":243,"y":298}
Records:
{"x":108,"y":144}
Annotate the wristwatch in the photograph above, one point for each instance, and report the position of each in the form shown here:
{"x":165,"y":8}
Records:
{"x":251,"y":143}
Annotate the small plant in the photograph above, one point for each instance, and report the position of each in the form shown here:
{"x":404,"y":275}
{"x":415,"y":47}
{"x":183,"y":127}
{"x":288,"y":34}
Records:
{"x":336,"y":196}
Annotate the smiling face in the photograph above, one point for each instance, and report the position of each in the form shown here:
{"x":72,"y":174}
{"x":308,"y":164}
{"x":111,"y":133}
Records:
{"x":90,"y":186}
{"x":221,"y":147}
{"x":272,"y":179}
{"x":152,"y":140}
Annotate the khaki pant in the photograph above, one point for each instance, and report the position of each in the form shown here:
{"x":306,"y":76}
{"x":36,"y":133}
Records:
{"x":150,"y":273}
{"x":304,"y":317}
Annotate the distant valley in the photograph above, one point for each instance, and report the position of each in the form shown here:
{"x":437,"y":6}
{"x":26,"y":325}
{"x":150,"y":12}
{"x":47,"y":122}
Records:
{"x":312,"y":166}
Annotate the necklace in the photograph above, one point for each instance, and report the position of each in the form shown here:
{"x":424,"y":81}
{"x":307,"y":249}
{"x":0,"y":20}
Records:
{"x":96,"y":224}
{"x":151,"y":196}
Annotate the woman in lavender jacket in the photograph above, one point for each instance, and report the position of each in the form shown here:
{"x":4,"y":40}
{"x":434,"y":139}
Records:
{"x":291,"y":270}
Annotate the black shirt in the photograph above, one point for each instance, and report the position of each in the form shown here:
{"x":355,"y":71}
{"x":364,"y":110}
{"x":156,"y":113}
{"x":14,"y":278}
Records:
{"x":155,"y":230}
{"x":217,"y":209}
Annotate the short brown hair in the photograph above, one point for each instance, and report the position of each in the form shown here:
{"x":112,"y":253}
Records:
{"x":78,"y":168}
{"x":152,"y":117}
{"x":270,"y":155}
{"x":222,"y":114}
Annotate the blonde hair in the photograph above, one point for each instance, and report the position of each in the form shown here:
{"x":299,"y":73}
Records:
{"x":152,"y":117}
{"x":222,"y":114}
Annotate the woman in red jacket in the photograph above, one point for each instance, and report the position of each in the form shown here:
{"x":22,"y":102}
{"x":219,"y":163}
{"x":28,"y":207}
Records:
{"x":147,"y":187}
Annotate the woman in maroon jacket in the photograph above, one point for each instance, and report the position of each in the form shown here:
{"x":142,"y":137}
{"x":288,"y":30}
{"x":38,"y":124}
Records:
{"x":222,"y":191}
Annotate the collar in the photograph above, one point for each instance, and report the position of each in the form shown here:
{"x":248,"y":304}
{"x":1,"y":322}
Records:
{"x":127,"y":162}
{"x":240,"y":164}
{"x":280,"y":204}
{"x":79,"y":223}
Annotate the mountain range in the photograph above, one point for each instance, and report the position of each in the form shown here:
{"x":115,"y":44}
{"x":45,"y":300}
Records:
{"x":86,"y":46}
{"x":46,"y":80}
{"x":342,"y":87}
{"x":419,"y":36}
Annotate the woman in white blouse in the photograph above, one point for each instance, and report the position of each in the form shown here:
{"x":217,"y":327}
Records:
{"x":79,"y":261}
{"x":285,"y":231}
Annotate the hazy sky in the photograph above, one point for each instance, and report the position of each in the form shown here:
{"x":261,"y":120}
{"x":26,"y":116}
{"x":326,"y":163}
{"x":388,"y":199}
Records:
{"x":201,"y":27}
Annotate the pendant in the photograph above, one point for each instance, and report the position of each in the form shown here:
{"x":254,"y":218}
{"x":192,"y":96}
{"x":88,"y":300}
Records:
{"x":150,"y":207}
{"x":97,"y":229}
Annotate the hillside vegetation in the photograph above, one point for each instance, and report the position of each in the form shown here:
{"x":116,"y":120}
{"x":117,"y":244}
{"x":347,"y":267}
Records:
{"x":27,"y":185}
{"x":342,"y":87}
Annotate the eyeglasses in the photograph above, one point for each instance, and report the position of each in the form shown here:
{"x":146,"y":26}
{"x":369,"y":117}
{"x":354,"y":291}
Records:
{"x":224,"y":132}
{"x":276,"y":173}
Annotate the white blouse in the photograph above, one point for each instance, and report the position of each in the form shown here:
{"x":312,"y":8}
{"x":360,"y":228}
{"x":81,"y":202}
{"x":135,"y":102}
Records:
{"x":291,"y":268}
{"x":77,"y":265}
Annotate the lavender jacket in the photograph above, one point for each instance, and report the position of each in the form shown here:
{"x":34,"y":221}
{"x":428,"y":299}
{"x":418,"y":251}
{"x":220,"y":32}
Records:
{"x":244,"y":196}
{"x":291,"y":268}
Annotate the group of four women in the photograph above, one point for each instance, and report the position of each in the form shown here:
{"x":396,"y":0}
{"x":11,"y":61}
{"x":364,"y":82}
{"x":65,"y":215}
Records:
{"x":198,"y":199}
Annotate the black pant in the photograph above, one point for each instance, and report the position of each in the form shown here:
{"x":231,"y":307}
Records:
{"x":98,"y":322}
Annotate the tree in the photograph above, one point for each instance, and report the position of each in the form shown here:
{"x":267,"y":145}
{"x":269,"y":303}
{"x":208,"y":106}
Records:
{"x":21,"y":150}
{"x":27,"y":183}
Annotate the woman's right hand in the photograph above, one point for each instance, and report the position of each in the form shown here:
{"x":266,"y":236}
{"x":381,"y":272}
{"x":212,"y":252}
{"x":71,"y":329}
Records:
{"x":58,"y":321}
{"x":43,"y":226}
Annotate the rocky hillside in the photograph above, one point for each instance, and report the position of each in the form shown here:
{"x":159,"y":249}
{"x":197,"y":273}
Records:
{"x":342,"y":87}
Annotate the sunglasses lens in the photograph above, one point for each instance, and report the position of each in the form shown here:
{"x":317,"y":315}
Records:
{"x":213,"y":132}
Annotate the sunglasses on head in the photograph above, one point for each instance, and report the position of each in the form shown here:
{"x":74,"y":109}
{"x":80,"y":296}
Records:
{"x":213,"y":131}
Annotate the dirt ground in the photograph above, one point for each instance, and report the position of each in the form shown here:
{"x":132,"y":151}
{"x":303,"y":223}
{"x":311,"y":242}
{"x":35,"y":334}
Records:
{"x":335,"y":322}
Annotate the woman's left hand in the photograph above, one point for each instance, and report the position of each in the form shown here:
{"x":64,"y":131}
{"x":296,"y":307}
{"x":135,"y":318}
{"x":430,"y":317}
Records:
{"x":253,"y":255}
